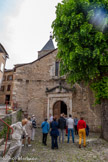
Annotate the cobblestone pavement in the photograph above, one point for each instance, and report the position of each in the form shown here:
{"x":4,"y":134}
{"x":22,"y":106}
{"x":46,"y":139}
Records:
{"x":96,"y":150}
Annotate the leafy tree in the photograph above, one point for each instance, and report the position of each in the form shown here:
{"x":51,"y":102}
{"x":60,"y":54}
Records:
{"x":81,"y":33}
{"x":80,"y":29}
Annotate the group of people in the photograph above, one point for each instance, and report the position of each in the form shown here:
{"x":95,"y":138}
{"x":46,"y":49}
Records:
{"x":27,"y":128}
{"x":58,"y":128}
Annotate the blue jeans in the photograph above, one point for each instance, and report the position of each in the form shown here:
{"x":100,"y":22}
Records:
{"x":72,"y":132}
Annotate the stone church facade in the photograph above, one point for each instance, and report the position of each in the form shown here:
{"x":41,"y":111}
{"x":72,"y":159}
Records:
{"x":38,"y":89}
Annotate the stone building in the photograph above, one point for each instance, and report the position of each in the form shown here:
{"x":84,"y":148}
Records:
{"x":38,"y":89}
{"x":7,"y":87}
{"x":3,"y":56}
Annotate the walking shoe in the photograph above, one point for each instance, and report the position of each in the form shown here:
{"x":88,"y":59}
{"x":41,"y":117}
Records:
{"x":29,"y":145}
{"x":22,"y":145}
{"x":79,"y":146}
{"x":85,"y":146}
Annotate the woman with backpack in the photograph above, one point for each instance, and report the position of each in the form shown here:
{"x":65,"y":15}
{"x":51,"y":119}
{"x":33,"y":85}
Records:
{"x":33,"y":128}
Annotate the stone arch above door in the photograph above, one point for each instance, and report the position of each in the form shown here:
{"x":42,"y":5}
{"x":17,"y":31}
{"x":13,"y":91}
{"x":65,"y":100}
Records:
{"x":54,"y":98}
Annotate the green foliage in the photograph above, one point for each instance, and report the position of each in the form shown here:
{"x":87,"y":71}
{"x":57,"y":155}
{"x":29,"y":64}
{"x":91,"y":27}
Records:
{"x":19,"y":115}
{"x":3,"y":132}
{"x":82,"y":45}
{"x":101,"y":89}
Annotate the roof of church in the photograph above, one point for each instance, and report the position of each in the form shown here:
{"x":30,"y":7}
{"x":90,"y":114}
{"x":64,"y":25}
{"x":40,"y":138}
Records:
{"x":19,"y":65}
{"x":2,"y":50}
{"x":49,"y":45}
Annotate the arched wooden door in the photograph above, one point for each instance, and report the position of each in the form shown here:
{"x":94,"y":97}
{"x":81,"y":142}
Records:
{"x":59,"y":107}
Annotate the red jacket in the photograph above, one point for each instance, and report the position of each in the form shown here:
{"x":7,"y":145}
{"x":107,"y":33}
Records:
{"x":81,"y":124}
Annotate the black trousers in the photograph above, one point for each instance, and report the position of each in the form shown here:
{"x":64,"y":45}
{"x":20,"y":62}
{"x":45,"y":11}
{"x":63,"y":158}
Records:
{"x":44,"y":139}
{"x":54,"y":142}
{"x":76,"y":130}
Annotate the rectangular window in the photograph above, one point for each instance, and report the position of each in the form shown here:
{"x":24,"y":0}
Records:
{"x":56,"y":68}
{"x":2,"y":88}
{"x":10,"y":77}
{"x":4,"y":78}
{"x":8,"y":87}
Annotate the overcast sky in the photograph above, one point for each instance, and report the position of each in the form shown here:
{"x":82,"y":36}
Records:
{"x":25,"y":27}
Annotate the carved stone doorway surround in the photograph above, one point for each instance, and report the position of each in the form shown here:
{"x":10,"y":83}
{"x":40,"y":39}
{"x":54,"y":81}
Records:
{"x":55,"y":97}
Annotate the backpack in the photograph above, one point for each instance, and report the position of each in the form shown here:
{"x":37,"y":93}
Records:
{"x":34,"y":124}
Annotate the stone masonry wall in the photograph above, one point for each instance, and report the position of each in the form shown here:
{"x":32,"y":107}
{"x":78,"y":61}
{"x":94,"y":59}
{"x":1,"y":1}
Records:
{"x":83,"y":101}
{"x":30,"y":84}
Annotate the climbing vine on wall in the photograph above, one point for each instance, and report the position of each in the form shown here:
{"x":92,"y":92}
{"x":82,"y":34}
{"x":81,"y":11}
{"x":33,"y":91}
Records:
{"x":100,"y":89}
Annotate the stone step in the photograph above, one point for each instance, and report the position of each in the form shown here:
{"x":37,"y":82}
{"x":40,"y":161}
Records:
{"x":2,"y":147}
{"x":2,"y":111}
{"x":1,"y":141}
{"x":2,"y":115}
{"x":5,"y":159}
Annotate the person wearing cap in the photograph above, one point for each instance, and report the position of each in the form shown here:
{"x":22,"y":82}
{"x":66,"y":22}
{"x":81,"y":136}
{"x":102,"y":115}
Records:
{"x":33,"y":127}
{"x":32,"y":117}
{"x":45,"y":129}
{"x":16,"y":143}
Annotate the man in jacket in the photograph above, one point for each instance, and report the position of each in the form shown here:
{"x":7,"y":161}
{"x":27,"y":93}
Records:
{"x":45,"y":129}
{"x":61,"y":126}
{"x":81,"y":130}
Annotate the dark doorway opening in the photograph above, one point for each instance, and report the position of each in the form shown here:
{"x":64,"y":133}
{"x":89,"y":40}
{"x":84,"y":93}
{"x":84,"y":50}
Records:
{"x":63,"y":108}
{"x":7,"y":99}
{"x":59,"y":108}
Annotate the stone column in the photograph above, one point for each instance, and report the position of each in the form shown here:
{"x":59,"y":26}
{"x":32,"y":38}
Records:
{"x":48,"y":109}
{"x":70,"y":105}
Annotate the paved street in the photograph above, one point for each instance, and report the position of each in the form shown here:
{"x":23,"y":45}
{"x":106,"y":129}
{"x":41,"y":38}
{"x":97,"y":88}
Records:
{"x":96,"y":150}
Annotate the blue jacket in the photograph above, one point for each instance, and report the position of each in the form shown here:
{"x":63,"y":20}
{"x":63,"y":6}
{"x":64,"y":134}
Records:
{"x":54,"y":129}
{"x":45,"y":127}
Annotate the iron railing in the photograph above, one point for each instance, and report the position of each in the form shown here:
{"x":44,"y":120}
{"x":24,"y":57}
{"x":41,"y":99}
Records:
{"x":6,"y":135}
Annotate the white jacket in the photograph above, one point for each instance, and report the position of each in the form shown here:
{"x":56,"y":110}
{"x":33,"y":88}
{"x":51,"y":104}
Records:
{"x":70,"y":123}
{"x":18,"y":131}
